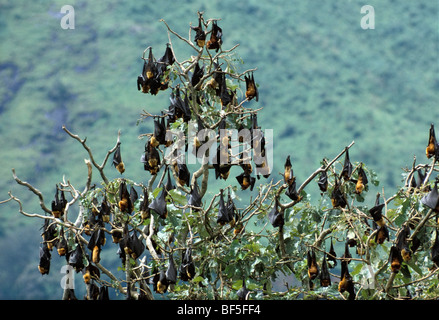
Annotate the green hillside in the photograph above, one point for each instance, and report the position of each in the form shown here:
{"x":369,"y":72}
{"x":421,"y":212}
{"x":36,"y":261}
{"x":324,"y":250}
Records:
{"x":323,"y":81}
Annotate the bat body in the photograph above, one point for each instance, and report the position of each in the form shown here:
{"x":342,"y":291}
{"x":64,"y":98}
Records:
{"x":215,"y":40}
{"x":117,"y":160}
{"x":251,"y":88}
{"x":313,"y":268}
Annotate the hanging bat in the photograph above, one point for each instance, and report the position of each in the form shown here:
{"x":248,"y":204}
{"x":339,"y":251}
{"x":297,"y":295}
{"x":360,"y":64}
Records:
{"x":231,"y":209}
{"x":382,"y":234}
{"x":159,"y":205}
{"x":117,"y":160}
{"x":135,"y":245}
{"x":226,"y":95}
{"x":435,"y":250}
{"x":76,"y":258}
{"x":347,"y":166}
{"x":194,"y":196}
{"x":251,"y":90}
{"x":292,"y":192}
{"x":151,"y":158}
{"x":187,"y":267}
{"x":332,"y":256}
{"x":223,"y":216}
{"x":325,"y":278}
{"x":58,"y":204}
{"x":45,"y":256}
{"x":91,"y":272}
{"x":313,"y":268}
{"x":288,"y":172}
{"x":62,"y":246}
{"x":430,"y":200}
{"x":395,"y":259}
{"x":103,"y":293}
{"x":183,"y":174}
{"x":171,"y":271}
{"x":432,"y":147}
{"x":376,"y":212}
{"x":151,"y":66}
{"x":200,"y":35}
{"x":323,"y":181}
{"x":243,"y":292}
{"x":245,"y":181}
{"x":197,"y":75}
{"x":125,"y":204}
{"x":361,"y":182}
{"x":276,"y":218}
{"x":49,"y":234}
{"x":161,"y":283}
{"x":346,"y":283}
{"x":215,"y":40}
{"x":337,"y":197}
{"x":402,"y":244}
{"x":159,"y":136}
{"x":116,"y":234}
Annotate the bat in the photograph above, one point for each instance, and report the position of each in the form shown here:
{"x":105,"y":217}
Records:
{"x":143,"y":208}
{"x":292,"y":192}
{"x":231,"y":209}
{"x":103,"y":293}
{"x":187,"y":267}
{"x":432,"y":146}
{"x":245,"y":181}
{"x":161,"y":283}
{"x":288,"y":172}
{"x":194,"y":196}
{"x":251,"y":90}
{"x":430,"y":200}
{"x":435,"y":250}
{"x":45,"y":256}
{"x":58,"y":204}
{"x":61,"y":246}
{"x":197,"y":75}
{"x":325,"y":278}
{"x":226,"y":95}
{"x":151,"y":66}
{"x":382,"y":234}
{"x":347,"y":166}
{"x":179,"y":108}
{"x":223,"y":216}
{"x":200,"y":35}
{"x":134,"y":246}
{"x":125,"y":204}
{"x":395,"y":259}
{"x":337,"y":197}
{"x":151,"y":158}
{"x":347,"y":254}
{"x":105,"y":210}
{"x":332,"y":256}
{"x":116,"y":234}
{"x":159,"y":205}
{"x":243,"y":292}
{"x":183,"y":174}
{"x":159,"y":136}
{"x":117,"y":160}
{"x":346,"y":283}
{"x":276,"y":218}
{"x":313,"y":268}
{"x":171,"y":271}
{"x":49,"y":234}
{"x":97,"y":240}
{"x":402,"y":245}
{"x":323,"y":181}
{"x":91,"y":272}
{"x":215,"y":40}
{"x":361,"y":181}
{"x":376,"y":212}
{"x":76,"y":258}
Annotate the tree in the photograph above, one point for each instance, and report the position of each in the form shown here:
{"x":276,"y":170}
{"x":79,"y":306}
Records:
{"x":191,"y":237}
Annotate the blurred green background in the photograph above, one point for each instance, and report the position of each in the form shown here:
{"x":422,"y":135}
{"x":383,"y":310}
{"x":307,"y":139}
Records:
{"x":323,"y":82}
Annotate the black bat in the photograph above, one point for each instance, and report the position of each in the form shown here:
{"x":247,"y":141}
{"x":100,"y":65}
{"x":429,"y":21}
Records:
{"x":402,"y":244}
{"x":187,"y":267}
{"x":323,"y":181}
{"x":432,"y":147}
{"x":159,"y":205}
{"x":251,"y":90}
{"x":346,"y":283}
{"x":76,"y":258}
{"x":117,"y":160}
{"x":337,"y":197}
{"x":325,"y":277}
{"x":62,"y":246}
{"x":223,"y":216}
{"x":245,"y":180}
{"x":171,"y":271}
{"x":58,"y":204}
{"x":183,"y":174}
{"x":347,"y":166}
{"x":395,"y":259}
{"x":194,"y":196}
{"x":45,"y":256}
{"x":216,"y":35}
{"x":200,"y":35}
{"x":276,"y":217}
{"x":125,"y":204}
{"x":332,"y":256}
{"x":197,"y":75}
{"x":292,"y":192}
{"x":362,"y":181}
{"x":143,"y":207}
{"x":313,"y":268}
{"x":430,"y":200}
{"x":288,"y":172}
{"x":150,"y":158}
{"x":376,"y":212}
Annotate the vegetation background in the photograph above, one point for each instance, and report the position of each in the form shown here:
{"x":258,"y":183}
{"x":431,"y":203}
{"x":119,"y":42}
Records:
{"x":323,"y":82}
